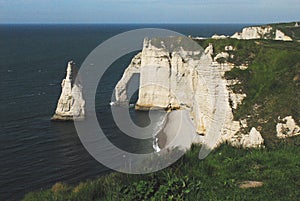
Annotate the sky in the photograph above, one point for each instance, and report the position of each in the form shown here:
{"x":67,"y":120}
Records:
{"x":149,"y":11}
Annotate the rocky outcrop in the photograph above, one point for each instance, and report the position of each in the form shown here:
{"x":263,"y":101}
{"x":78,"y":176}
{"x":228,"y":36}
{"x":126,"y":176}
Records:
{"x":242,"y":139}
{"x":70,"y":105}
{"x":253,"y":33}
{"x":279,"y":35}
{"x":236,"y":98}
{"x":287,"y":128}
{"x":216,"y":36}
{"x":253,"y":140}
{"x":175,"y":76}
{"x":224,"y":55}
{"x":261,"y":32}
{"x":229,"y":48}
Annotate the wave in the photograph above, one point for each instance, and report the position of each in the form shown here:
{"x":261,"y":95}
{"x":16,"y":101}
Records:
{"x":161,"y":123}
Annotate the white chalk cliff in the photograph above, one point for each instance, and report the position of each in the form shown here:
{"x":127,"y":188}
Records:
{"x":175,"y":76}
{"x":261,"y":32}
{"x":281,"y":36}
{"x":71,"y":104}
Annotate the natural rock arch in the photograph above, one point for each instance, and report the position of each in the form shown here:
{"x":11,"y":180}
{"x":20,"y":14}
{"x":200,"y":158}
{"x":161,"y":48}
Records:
{"x":174,"y":75}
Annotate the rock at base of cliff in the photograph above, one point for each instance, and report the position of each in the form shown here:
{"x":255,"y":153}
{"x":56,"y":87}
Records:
{"x":56,"y":117}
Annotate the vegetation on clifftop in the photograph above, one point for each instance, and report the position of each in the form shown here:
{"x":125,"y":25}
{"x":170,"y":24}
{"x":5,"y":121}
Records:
{"x":289,"y":29}
{"x":271,"y":82}
{"x":218,"y":177}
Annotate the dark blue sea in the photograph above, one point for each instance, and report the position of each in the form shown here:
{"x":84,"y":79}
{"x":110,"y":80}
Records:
{"x":36,"y":153}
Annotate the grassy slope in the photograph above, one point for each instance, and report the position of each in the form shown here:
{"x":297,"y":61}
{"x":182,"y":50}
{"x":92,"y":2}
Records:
{"x":215,"y":178}
{"x":269,"y":85}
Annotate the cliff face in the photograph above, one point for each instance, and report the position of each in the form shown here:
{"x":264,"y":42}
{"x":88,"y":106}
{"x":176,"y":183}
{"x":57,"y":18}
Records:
{"x":70,"y":105}
{"x":173,"y":76}
{"x":167,"y":78}
{"x":266,"y":32}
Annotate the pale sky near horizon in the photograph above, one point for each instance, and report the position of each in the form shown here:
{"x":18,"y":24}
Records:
{"x":149,"y":11}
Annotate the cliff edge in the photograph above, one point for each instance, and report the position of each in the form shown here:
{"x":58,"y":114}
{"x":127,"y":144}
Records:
{"x":176,"y":76}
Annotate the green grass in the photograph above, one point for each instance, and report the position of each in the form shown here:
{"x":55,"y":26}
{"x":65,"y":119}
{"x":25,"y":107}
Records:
{"x":215,"y":178}
{"x":270,"y":85}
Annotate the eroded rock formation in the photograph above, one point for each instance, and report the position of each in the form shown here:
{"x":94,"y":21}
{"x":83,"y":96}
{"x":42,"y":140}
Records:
{"x":70,"y":105}
{"x":175,"y":76}
{"x":252,"y":140}
{"x":279,"y":35}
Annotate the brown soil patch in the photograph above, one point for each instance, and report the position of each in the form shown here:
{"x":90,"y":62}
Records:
{"x":251,"y":184}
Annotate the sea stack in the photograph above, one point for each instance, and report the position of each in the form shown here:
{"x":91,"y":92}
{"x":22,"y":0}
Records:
{"x":71,"y":104}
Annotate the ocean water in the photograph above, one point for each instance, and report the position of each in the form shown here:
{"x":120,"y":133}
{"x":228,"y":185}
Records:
{"x":35,"y":153}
